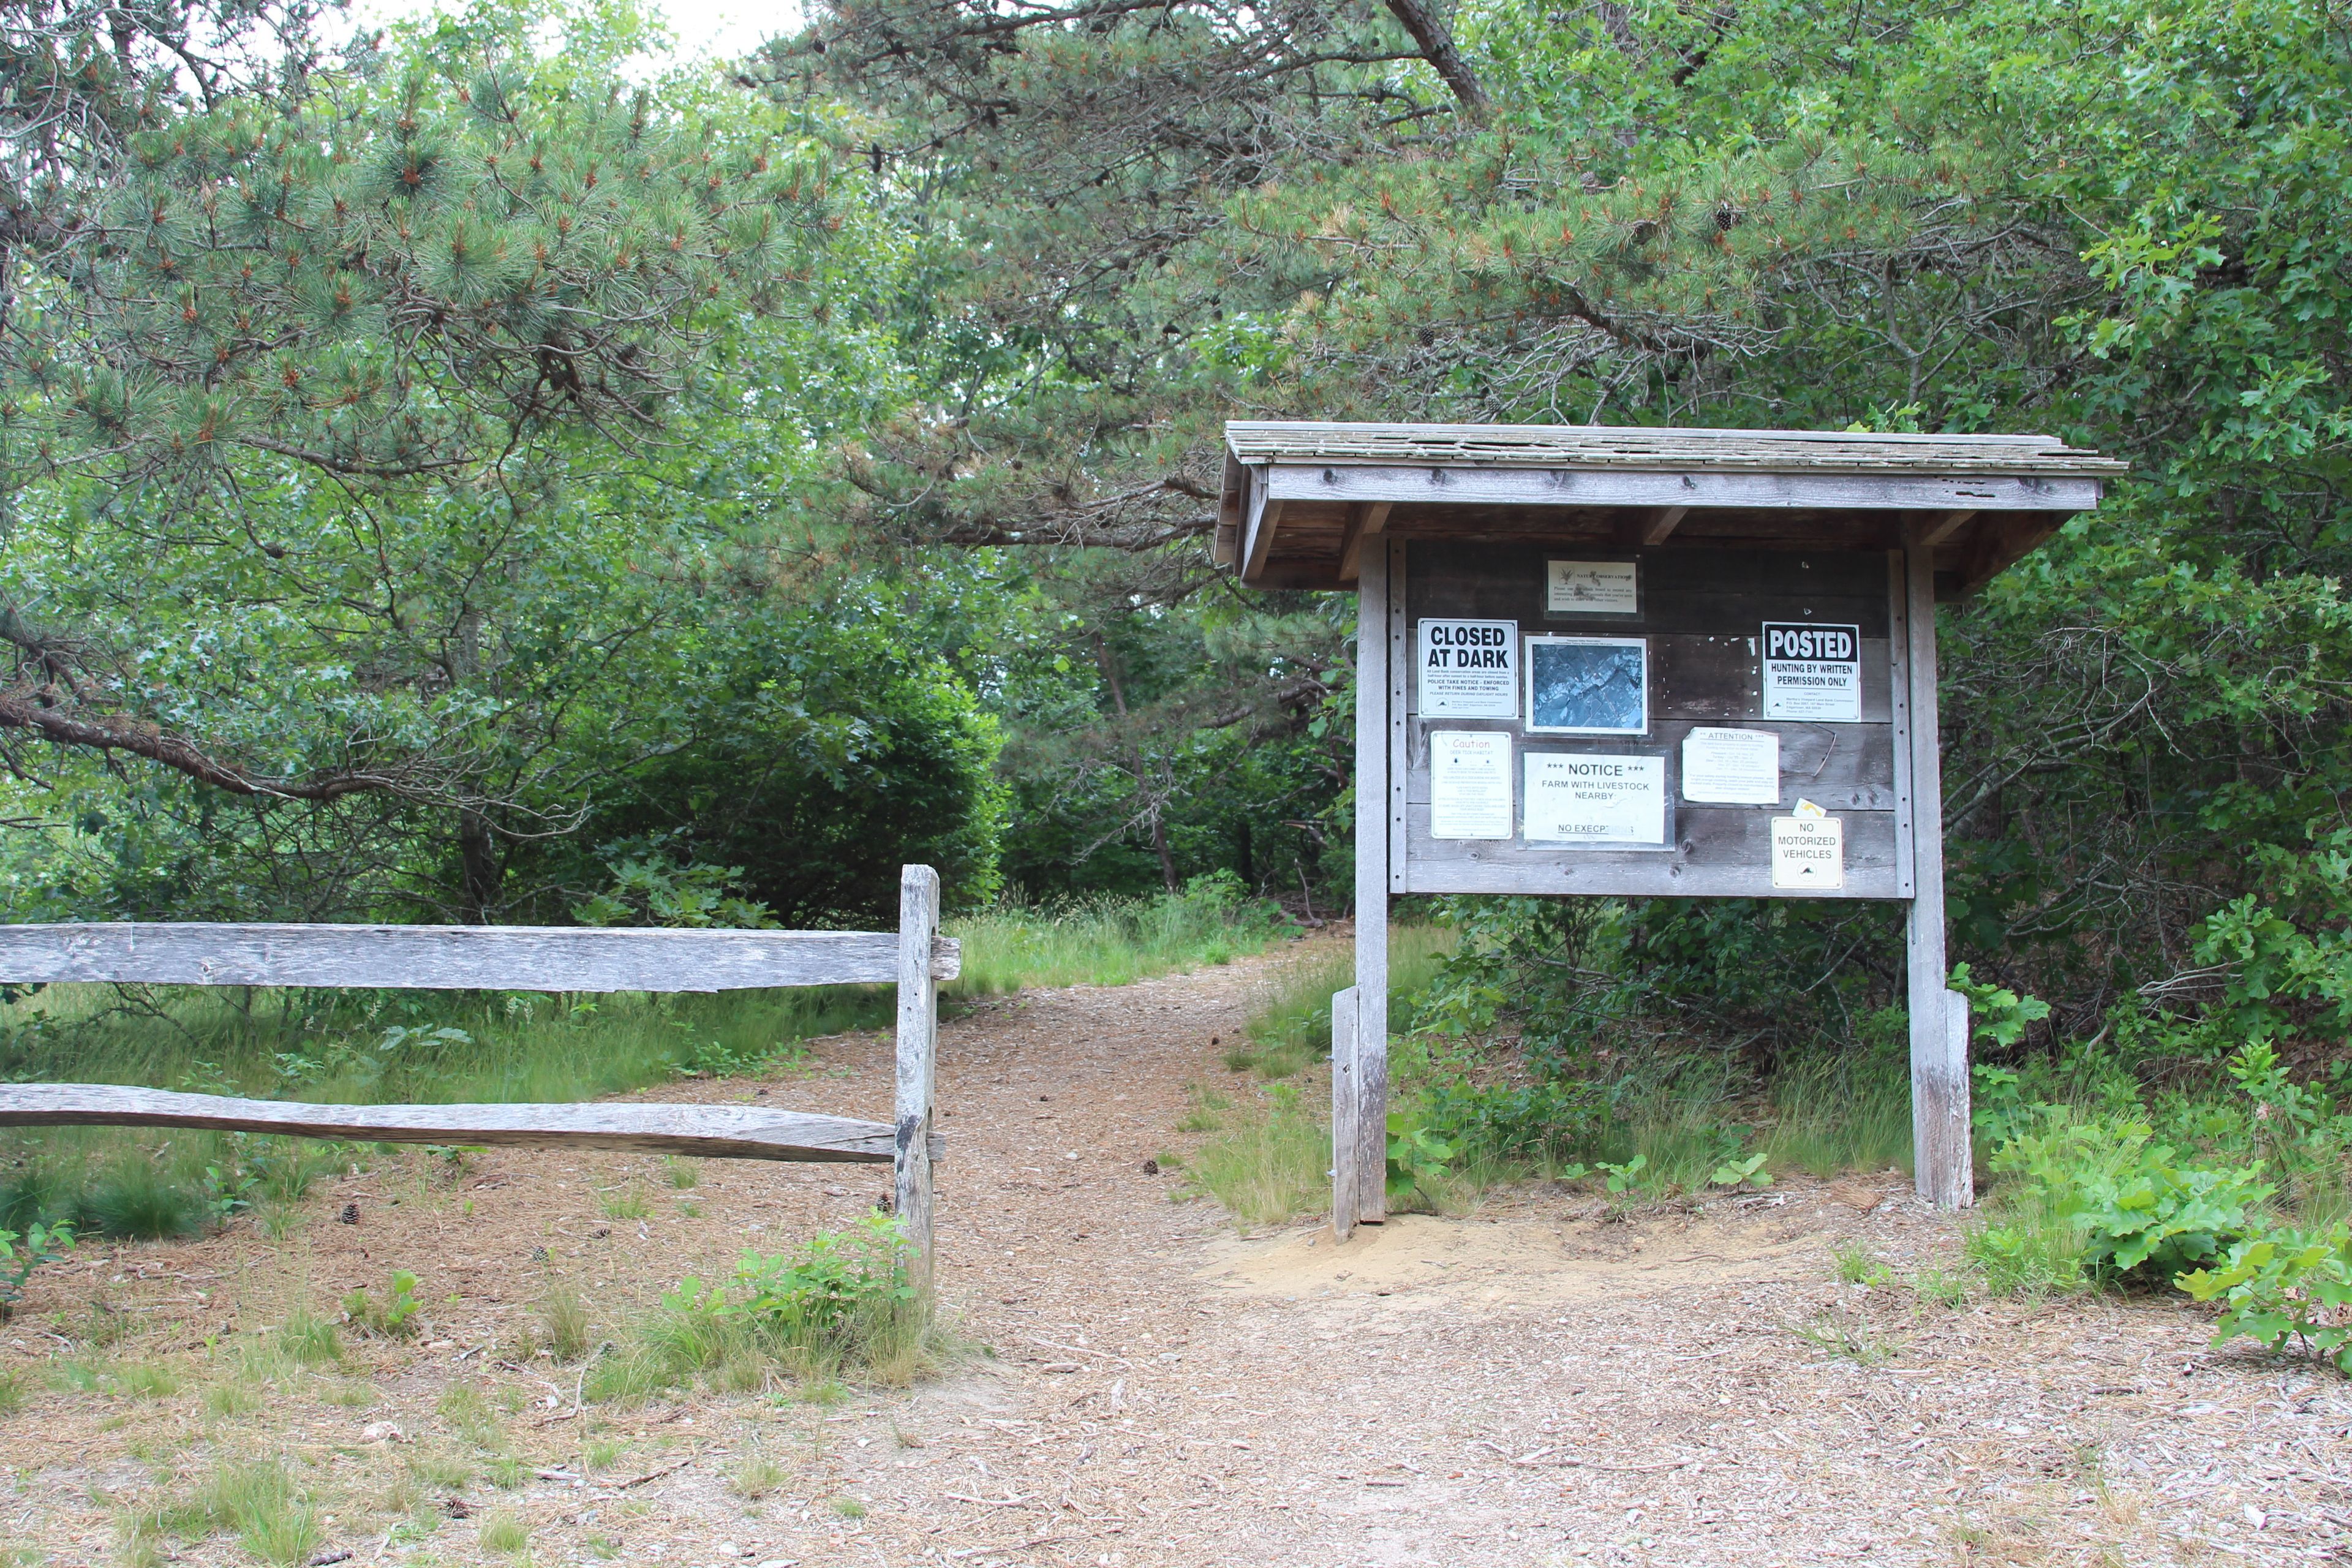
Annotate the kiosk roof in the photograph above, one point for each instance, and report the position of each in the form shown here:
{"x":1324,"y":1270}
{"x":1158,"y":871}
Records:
{"x":1300,"y":497}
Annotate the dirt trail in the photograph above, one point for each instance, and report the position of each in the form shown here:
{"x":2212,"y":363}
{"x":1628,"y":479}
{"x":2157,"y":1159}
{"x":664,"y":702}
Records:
{"x":1537,"y":1384}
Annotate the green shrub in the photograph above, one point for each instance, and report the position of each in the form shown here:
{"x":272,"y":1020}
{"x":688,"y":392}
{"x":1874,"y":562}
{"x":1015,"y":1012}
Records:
{"x":2138,"y":1207}
{"x":843,"y":1300}
{"x":391,"y":1315}
{"x":1418,"y":1157}
{"x":835,"y":1297}
{"x":2286,"y":1285}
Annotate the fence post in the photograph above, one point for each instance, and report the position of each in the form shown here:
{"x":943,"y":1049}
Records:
{"x":919,"y":1034}
{"x":1345,"y":1104}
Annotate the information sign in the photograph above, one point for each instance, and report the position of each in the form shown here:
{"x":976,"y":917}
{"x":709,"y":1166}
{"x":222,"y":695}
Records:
{"x":1576,"y":798}
{"x":1812,"y":672}
{"x":1731,"y":767}
{"x":1469,"y":784}
{"x":1592,"y":589}
{"x":1808,"y":853}
{"x":1468,"y":670}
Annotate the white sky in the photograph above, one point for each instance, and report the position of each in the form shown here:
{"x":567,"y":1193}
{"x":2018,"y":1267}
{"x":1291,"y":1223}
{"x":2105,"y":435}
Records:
{"x":712,"y":28}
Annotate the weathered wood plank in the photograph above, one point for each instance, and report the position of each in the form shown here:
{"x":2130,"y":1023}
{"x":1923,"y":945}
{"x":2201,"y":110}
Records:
{"x":1948,"y":524}
{"x":1662,"y":524}
{"x":1665,"y":447}
{"x":1365,"y":523}
{"x":730,"y":1131}
{"x":1263,"y":522}
{"x":1345,"y":1033}
{"x":1719,"y":851}
{"x":1939,"y":1072}
{"x":918,"y":1052}
{"x":1375,"y":616}
{"x":1694,"y":592}
{"x":1749,"y":490}
{"x":1899,"y":651}
{"x":496,"y":957}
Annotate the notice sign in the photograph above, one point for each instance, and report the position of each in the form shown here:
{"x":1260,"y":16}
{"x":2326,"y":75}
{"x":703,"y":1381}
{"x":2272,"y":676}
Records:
{"x":1812,"y":672}
{"x":1577,"y":799}
{"x":1469,"y":784}
{"x":1808,"y":852}
{"x":1469,"y":669}
{"x":1732,"y":767}
{"x":1590,"y":589}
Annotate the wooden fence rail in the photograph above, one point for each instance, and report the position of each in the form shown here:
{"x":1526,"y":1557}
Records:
{"x":525,"y":958}
{"x":456,"y":958}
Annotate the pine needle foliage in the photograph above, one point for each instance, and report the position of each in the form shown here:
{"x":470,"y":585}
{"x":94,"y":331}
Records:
{"x":393,"y":275}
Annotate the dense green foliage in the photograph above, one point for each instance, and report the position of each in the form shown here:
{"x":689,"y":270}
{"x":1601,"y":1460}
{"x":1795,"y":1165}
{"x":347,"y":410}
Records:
{"x":401,"y":523}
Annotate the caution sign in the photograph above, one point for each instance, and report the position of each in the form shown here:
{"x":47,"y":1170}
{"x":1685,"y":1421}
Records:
{"x":1812,"y":672}
{"x":1808,"y":854}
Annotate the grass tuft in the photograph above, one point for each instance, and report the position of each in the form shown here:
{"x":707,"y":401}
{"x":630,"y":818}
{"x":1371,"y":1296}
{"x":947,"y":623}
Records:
{"x":503,"y":1532}
{"x":258,"y":1502}
{"x":307,"y":1339}
{"x":563,"y":1314}
{"x":1269,"y":1166}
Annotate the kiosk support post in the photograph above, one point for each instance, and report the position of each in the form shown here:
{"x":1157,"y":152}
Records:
{"x":1940,"y":1144}
{"x":1367,"y":1067}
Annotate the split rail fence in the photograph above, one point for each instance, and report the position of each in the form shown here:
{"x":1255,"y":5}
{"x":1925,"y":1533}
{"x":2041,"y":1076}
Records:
{"x":525,"y":958}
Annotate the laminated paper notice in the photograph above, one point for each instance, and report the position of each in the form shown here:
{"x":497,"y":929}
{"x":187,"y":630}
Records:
{"x":1590,"y":589}
{"x":1469,"y":784}
{"x":1468,"y":670}
{"x":1731,"y":767}
{"x":1808,"y":854}
{"x":1573,"y":798}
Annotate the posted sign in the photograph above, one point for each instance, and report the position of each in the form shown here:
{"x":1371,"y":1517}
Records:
{"x":1812,"y":672}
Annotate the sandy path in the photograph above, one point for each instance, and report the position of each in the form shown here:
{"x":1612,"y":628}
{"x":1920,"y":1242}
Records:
{"x":1538,"y":1384}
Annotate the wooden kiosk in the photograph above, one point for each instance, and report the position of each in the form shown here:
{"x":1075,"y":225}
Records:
{"x":1642,"y":662}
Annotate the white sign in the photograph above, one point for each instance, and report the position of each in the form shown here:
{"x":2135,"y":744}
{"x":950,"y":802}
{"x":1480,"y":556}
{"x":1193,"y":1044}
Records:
{"x":1469,"y":669}
{"x":1812,"y":672}
{"x":1732,"y":767}
{"x":1808,"y":852}
{"x":1469,"y":784}
{"x":1580,"y":799}
{"x":1590,"y":589}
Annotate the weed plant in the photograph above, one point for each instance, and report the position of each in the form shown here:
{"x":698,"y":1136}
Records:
{"x":843,"y":1304}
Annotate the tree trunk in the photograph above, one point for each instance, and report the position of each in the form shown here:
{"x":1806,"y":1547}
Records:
{"x":479,"y":872}
{"x":1436,"y":40}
